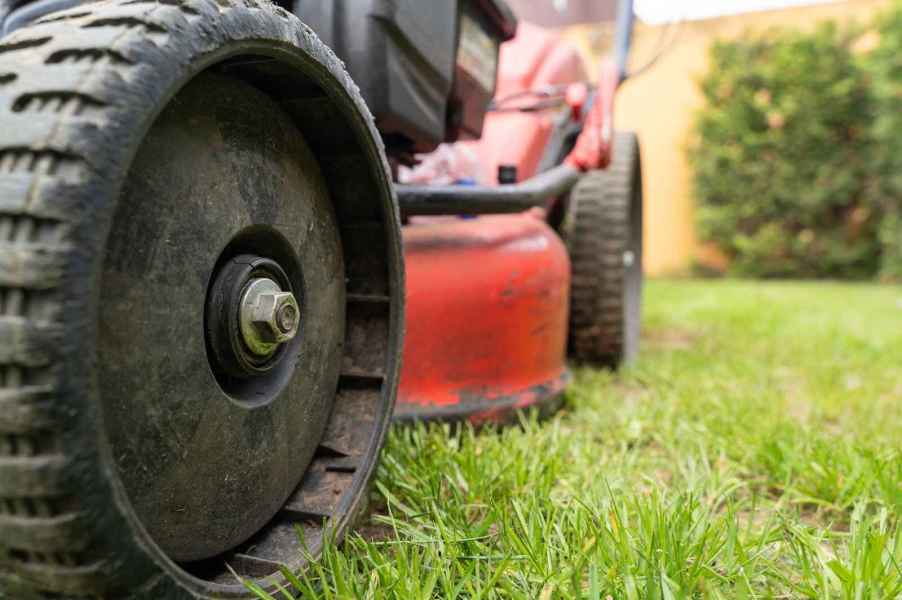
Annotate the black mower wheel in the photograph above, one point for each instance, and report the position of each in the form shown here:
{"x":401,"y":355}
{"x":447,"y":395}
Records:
{"x":603,"y":231}
{"x":201,"y":300}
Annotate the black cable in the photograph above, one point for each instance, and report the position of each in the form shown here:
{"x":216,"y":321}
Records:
{"x":547,"y":91}
{"x":539,"y":105}
{"x":666,"y":42}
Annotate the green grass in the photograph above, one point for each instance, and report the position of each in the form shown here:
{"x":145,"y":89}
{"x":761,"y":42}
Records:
{"x":755,"y":451}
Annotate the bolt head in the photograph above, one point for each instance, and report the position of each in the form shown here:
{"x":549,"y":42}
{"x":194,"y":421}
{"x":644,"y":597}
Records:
{"x":268,"y":316}
{"x":275,"y":317}
{"x":629,"y":258}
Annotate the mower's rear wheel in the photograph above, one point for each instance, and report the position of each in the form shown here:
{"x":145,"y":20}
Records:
{"x":200,"y":314}
{"x":603,"y":231}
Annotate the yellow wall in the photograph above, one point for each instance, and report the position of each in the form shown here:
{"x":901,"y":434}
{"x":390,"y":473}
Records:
{"x":660,"y":106}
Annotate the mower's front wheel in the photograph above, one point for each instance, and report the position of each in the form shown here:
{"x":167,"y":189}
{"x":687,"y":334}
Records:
{"x":603,"y":231}
{"x":201,"y":300}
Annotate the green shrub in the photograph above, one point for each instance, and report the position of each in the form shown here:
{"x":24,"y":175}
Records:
{"x":891,"y":238}
{"x":885,"y":64}
{"x":782,"y":157}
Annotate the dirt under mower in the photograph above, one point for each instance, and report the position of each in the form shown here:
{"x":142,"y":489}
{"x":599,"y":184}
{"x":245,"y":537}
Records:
{"x":203,"y":235}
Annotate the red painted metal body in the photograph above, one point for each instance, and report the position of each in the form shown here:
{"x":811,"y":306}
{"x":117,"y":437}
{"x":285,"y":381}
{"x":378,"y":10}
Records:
{"x":487,"y":303}
{"x":537,"y":58}
{"x":488,"y":298}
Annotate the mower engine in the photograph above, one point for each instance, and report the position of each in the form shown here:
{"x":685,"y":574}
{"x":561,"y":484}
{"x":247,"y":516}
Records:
{"x":426,"y":69}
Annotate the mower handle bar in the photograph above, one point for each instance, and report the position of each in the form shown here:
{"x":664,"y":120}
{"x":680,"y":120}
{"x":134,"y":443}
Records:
{"x":482,"y":200}
{"x":623,"y":38}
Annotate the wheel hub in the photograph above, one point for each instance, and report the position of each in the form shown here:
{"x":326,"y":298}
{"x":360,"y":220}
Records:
{"x":212,"y":425}
{"x":251,"y":314}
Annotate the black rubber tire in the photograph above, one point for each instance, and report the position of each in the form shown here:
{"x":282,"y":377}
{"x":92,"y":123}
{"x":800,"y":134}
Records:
{"x":603,"y":231}
{"x":78,"y":92}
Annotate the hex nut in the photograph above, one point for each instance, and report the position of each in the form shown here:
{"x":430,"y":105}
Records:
{"x":268,"y":316}
{"x":275,"y":317}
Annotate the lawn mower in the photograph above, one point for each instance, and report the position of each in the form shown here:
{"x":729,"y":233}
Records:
{"x":203,"y":233}
{"x":488,"y":320}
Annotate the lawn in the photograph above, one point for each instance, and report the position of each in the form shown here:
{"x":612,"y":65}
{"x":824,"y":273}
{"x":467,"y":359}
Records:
{"x":754,"y":451}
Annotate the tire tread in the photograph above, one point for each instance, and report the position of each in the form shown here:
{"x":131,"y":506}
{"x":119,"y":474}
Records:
{"x":597,"y":235}
{"x":54,"y":76}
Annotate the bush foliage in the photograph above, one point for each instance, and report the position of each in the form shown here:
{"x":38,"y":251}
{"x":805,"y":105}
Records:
{"x":797,"y":172}
{"x":885,"y":64}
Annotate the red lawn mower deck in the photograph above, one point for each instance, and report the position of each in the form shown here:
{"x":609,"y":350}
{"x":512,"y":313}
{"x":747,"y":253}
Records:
{"x":492,"y":337}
